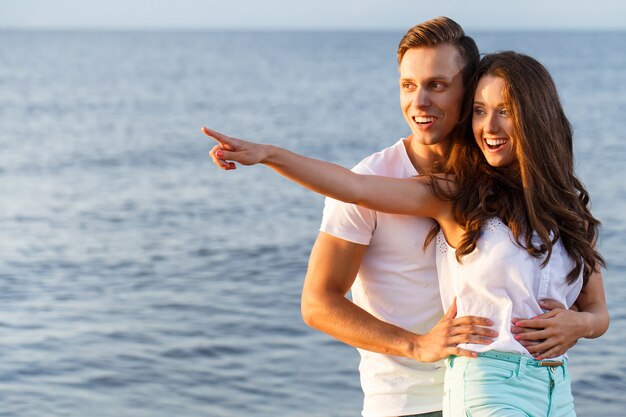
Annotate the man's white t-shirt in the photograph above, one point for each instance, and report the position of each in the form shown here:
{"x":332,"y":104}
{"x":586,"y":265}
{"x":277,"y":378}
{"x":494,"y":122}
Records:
{"x":397,"y":283}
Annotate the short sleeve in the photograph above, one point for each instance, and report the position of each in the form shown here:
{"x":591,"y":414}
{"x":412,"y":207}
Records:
{"x":348,"y":221}
{"x":357,"y":224}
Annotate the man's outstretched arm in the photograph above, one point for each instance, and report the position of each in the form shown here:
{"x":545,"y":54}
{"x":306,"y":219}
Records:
{"x":333,"y":266}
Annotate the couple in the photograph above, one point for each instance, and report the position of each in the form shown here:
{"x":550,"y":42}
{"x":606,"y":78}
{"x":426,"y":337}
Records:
{"x":512,"y":232}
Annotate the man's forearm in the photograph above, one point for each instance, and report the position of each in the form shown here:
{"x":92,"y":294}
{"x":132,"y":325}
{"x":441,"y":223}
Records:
{"x":347,"y":322}
{"x":340,"y":318}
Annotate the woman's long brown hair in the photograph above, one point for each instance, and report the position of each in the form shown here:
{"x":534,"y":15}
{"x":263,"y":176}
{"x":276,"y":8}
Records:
{"x":539,"y":193}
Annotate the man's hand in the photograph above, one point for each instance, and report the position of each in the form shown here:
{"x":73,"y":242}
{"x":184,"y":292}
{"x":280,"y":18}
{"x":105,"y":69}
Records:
{"x":443,"y":339}
{"x":553,"y":333}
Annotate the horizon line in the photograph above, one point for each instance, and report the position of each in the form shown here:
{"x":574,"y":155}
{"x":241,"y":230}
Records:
{"x":468,"y":29}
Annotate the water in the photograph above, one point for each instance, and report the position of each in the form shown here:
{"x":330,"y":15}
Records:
{"x":137,"y":280}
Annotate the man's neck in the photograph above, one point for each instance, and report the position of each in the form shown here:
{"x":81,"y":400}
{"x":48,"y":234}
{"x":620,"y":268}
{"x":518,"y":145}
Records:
{"x":425,"y":157}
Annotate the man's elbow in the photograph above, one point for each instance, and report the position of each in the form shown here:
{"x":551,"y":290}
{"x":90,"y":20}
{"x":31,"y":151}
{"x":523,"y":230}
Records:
{"x":310,"y":310}
{"x":316,"y":307}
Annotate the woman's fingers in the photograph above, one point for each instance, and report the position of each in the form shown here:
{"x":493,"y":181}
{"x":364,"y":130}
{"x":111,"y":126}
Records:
{"x":217,"y":155}
{"x":225,"y":141}
{"x":549,"y":304}
{"x":552,"y":353}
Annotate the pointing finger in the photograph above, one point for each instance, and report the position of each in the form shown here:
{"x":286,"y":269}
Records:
{"x":223,"y":139}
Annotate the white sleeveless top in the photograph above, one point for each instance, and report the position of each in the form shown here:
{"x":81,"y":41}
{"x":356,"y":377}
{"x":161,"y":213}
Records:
{"x":500,"y":280}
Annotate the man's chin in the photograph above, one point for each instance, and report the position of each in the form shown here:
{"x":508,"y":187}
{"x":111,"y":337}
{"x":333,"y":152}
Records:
{"x":427,"y":140}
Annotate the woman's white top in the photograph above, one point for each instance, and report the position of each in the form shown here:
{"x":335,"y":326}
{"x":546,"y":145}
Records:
{"x":501,"y":280}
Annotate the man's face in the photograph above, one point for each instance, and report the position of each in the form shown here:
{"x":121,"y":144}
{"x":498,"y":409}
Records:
{"x":431,"y":91}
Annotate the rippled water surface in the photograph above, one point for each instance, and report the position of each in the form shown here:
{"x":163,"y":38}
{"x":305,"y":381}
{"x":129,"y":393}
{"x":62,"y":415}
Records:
{"x":139,"y":281}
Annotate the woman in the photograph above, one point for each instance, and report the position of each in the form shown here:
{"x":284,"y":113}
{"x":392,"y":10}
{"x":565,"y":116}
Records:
{"x":514,"y":227}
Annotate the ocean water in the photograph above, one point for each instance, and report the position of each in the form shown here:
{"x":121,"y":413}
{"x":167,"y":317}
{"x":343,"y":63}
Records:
{"x":138,"y":280}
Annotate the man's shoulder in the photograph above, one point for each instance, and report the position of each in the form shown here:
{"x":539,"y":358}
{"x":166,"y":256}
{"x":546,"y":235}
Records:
{"x":391,"y":161}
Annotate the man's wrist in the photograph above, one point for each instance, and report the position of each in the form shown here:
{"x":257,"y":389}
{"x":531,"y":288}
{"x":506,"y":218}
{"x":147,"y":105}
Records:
{"x":414,"y":347}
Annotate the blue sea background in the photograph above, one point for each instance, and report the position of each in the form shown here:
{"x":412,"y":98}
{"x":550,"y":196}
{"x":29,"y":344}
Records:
{"x":136,"y":279}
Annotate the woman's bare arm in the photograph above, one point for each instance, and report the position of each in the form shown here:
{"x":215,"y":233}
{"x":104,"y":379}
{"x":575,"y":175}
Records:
{"x":391,"y":195}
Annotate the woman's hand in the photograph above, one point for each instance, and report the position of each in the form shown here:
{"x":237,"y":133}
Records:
{"x":231,"y":149}
{"x":553,"y":333}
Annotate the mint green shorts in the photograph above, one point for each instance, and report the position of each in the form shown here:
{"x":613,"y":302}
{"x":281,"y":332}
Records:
{"x":499,"y":384}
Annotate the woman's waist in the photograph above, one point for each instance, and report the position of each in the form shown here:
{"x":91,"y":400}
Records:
{"x":499,"y":305}
{"x":504,"y":342}
{"x":498,"y":360}
{"x":502,"y":314}
{"x":511,"y":353}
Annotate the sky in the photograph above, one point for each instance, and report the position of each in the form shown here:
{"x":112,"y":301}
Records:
{"x":311,"y":14}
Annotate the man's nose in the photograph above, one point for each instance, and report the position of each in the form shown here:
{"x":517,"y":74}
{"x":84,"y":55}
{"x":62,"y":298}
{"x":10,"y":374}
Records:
{"x":421,"y":98}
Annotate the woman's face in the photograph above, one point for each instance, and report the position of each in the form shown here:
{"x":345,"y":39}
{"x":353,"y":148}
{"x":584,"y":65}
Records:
{"x":492,"y":122}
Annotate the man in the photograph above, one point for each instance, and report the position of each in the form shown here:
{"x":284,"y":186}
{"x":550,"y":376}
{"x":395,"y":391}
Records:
{"x":395,"y":316}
